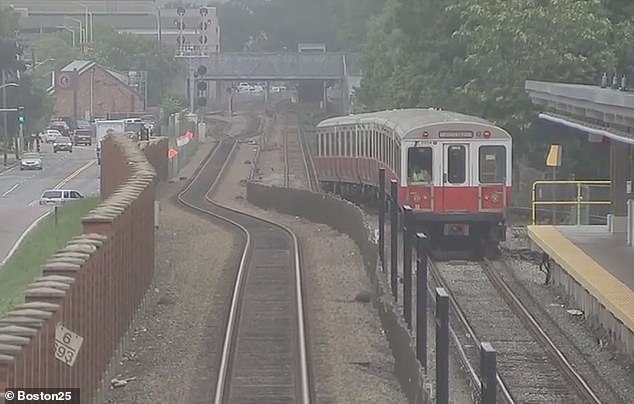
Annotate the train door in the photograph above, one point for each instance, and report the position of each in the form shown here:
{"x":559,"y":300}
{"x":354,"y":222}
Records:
{"x":455,"y":177}
{"x":492,"y":178}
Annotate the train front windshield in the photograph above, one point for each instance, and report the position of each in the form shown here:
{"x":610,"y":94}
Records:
{"x":419,"y":165}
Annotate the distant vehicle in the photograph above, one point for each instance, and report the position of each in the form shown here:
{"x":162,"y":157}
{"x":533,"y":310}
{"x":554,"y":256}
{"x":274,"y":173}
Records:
{"x":51,"y":134}
{"x":109,"y":127}
{"x":244,"y":87}
{"x":31,"y":161}
{"x":83,"y":136}
{"x":61,"y":126}
{"x":278,"y":89}
{"x":63,"y":143}
{"x":59,"y":196}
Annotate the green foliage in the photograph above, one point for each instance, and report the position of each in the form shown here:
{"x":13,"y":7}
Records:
{"x":172,"y":104}
{"x":116,"y":51}
{"x":278,"y":25}
{"x":25,"y":265}
{"x":474,"y":56}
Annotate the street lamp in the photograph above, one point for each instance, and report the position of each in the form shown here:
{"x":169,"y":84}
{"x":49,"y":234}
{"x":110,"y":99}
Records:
{"x":10,"y":85}
{"x":72,"y":31}
{"x":82,"y":36}
{"x":89,"y":22}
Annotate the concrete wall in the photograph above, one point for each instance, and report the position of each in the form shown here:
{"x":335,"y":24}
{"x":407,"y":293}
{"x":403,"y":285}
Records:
{"x":347,"y":218}
{"x":93,"y":286}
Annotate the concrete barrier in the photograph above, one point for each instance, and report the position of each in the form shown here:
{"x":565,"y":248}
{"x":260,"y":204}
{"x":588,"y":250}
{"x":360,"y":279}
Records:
{"x":349,"y":219}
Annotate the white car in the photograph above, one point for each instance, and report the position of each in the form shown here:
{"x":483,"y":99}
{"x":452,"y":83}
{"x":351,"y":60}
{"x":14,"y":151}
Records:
{"x":31,"y":161}
{"x":59,"y":196}
{"x":51,"y":134}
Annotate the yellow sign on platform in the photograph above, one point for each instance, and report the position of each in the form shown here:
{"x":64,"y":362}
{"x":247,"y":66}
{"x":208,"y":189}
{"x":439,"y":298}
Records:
{"x":553,"y":159}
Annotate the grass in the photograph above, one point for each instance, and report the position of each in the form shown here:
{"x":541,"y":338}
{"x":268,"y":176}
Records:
{"x":43,"y":241}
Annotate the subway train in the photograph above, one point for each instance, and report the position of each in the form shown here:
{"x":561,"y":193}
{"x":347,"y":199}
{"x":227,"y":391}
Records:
{"x":454,"y":170}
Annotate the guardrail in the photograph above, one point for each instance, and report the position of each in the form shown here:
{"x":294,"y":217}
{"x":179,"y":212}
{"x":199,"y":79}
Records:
{"x":580,"y":197}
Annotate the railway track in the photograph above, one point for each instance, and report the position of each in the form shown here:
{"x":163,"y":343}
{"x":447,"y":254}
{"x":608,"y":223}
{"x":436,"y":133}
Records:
{"x":296,"y":158}
{"x":531,"y":369}
{"x":264,"y":355}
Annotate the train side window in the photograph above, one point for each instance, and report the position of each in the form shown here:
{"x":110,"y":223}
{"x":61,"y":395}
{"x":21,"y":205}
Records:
{"x":456,"y":164}
{"x":419,"y":164}
{"x":492,"y":166}
{"x":353,"y":144}
{"x":346,"y":151}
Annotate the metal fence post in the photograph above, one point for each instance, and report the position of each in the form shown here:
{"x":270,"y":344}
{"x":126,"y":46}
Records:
{"x":421,"y":300}
{"x":408,"y":227}
{"x":488,"y":371}
{"x":382,"y":217}
{"x":394,"y":239}
{"x":442,"y":346}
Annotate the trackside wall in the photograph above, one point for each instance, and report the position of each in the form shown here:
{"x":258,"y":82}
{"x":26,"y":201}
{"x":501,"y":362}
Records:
{"x":347,"y":218}
{"x":93,"y":286}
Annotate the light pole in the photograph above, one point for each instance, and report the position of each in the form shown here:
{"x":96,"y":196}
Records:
{"x":82,"y":36}
{"x":10,"y":85}
{"x":72,"y":31}
{"x":88,"y":15}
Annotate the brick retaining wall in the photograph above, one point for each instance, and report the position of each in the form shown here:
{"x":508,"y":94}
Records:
{"x":92,"y":286}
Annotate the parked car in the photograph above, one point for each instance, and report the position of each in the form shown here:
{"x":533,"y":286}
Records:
{"x":51,"y":134}
{"x":62,"y":143}
{"x":31,"y":161}
{"x":59,"y":196}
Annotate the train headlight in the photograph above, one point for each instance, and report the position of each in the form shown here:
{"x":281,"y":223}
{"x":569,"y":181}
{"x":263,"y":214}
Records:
{"x":495,"y":197}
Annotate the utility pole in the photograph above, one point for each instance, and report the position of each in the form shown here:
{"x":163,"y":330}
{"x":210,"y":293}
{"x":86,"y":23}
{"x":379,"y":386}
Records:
{"x":5,"y":135}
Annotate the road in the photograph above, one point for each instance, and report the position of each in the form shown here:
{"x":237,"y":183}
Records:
{"x":20,"y":190}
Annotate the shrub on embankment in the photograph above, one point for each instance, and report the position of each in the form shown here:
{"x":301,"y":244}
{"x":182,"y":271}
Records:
{"x":94,"y":285}
{"x":348,"y":218}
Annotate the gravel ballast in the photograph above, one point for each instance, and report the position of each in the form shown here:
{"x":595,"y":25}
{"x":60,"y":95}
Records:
{"x":172,"y":350}
{"x":352,"y":361}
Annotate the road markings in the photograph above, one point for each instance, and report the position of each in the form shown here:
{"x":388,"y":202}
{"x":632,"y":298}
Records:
{"x":45,"y":214}
{"x":10,"y":190}
{"x":22,"y":236}
{"x":8,"y":170}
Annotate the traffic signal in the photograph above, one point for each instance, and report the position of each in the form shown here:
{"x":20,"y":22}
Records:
{"x":201,"y":86}
{"x":21,"y":117}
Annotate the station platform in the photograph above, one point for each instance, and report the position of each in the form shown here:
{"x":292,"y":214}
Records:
{"x":596,"y":268}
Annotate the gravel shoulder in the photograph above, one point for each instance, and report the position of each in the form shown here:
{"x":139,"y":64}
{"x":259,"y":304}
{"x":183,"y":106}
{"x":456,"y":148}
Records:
{"x":352,"y":361}
{"x":172,"y":350}
{"x":616,"y":371}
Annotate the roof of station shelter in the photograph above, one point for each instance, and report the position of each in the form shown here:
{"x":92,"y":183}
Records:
{"x":591,"y":109}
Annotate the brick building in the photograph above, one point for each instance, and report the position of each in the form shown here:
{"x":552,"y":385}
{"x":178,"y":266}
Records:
{"x":85,"y":89}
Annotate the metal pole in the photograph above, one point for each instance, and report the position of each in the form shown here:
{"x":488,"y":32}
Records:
{"x":191,"y":86}
{"x":394,"y":239}
{"x":442,"y":346}
{"x":5,"y":134}
{"x":18,"y":151}
{"x":407,"y":264}
{"x":488,"y":372}
{"x":421,"y":299}
{"x":382,"y":217}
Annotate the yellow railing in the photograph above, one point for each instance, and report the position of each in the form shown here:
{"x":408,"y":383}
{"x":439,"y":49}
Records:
{"x":577,"y":201}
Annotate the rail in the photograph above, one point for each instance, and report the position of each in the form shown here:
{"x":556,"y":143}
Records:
{"x":252,"y":227}
{"x":578,"y":201}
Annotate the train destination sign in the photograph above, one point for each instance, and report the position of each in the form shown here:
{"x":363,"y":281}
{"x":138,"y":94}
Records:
{"x":455,"y":134}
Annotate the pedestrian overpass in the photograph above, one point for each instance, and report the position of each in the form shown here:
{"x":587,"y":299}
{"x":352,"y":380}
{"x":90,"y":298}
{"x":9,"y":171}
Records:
{"x":333,"y":69}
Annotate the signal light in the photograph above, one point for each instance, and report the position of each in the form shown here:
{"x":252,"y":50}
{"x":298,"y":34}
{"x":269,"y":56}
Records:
{"x":21,"y":117}
{"x":487,"y":133}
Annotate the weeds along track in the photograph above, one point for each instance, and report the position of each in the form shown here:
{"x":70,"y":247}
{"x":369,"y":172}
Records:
{"x":484,"y":309}
{"x":264,"y":355}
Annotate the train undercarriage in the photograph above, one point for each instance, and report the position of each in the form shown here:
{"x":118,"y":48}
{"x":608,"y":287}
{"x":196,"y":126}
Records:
{"x":450,"y":236}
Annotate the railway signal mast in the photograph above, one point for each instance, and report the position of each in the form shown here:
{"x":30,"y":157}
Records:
{"x":193,"y":53}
